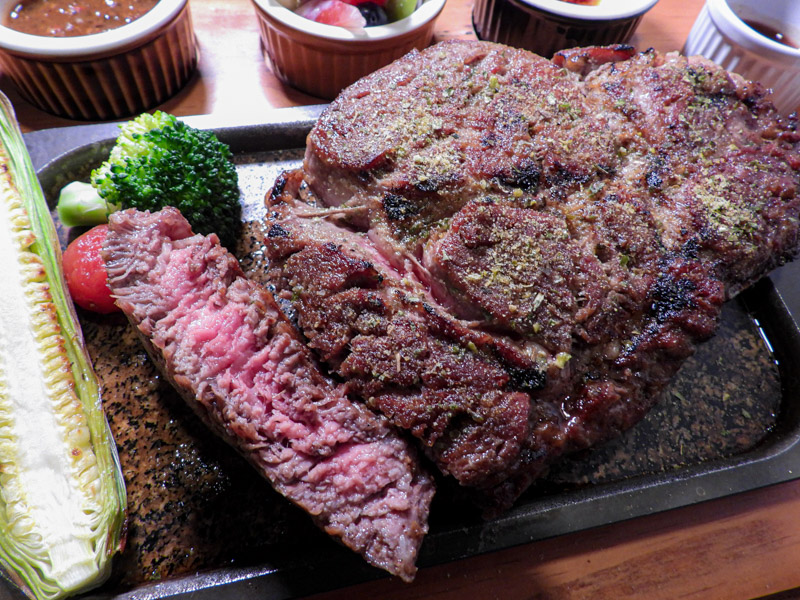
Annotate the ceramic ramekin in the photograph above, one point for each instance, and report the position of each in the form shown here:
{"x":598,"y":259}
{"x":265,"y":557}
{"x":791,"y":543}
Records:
{"x":721,"y":34}
{"x":106,"y":75}
{"x":321,"y":60}
{"x":547,"y":26}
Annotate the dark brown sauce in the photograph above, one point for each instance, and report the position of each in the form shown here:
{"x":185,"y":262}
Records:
{"x":68,"y":18}
{"x":772,"y":33}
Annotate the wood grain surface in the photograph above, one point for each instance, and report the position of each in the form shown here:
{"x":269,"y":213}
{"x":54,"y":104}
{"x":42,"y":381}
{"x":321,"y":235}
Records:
{"x":743,"y":546}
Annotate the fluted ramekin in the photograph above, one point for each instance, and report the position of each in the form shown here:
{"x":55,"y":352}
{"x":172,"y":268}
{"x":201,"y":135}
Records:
{"x":721,"y":35}
{"x":322,"y":60}
{"x":547,"y":26}
{"x":108,"y":75}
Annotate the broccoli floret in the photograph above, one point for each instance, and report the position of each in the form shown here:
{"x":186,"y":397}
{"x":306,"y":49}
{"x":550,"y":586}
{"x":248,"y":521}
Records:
{"x":160,"y":161}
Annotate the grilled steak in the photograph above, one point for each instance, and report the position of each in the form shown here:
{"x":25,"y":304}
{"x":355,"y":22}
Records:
{"x":509,"y":257}
{"x":227,"y":348}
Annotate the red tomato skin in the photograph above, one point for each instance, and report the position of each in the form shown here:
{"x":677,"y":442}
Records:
{"x":85,"y":272}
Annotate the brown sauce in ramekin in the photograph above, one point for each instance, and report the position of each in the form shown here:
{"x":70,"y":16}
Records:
{"x":773,"y":33}
{"x":68,"y":18}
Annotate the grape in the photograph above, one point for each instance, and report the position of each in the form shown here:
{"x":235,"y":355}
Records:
{"x":373,"y":14}
{"x":400,"y":9}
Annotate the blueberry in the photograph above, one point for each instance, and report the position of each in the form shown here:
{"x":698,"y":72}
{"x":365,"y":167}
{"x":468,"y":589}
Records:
{"x":374,"y":14}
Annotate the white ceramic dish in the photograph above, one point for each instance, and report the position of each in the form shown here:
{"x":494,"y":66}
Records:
{"x":721,"y":35}
{"x":105,"y":75}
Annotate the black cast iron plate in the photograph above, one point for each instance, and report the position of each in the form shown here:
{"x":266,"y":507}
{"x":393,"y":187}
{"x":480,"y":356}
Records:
{"x":729,"y":423}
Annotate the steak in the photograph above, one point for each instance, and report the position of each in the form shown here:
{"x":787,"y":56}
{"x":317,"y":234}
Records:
{"x":509,"y":257}
{"x":225,"y":345}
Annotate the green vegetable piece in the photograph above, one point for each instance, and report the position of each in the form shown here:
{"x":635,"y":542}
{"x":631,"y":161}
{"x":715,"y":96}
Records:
{"x":159,"y":161}
{"x":62,"y":495}
{"x":399,"y":9}
{"x":80,"y":204}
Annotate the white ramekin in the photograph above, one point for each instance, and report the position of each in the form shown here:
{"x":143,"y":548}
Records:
{"x":721,"y":35}
{"x":106,"y":75}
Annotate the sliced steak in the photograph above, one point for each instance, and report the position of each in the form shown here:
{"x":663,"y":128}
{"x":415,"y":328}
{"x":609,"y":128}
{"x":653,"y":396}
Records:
{"x":225,"y":345}
{"x":510,"y":257}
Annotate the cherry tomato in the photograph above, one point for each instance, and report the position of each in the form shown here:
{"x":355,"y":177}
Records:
{"x":85,"y":271}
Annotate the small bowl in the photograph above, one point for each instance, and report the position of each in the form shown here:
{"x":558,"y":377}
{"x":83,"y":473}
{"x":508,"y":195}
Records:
{"x":322,"y":60}
{"x":103,"y":76}
{"x":721,"y":34}
{"x":547,"y":26}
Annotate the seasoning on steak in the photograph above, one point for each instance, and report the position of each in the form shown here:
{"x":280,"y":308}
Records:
{"x":510,"y":258}
{"x":225,"y":345}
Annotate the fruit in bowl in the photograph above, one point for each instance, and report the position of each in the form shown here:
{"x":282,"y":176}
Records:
{"x":353,"y":14}
{"x":321,"y":59}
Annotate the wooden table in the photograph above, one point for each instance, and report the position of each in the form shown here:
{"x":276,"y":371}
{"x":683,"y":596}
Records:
{"x":743,"y":546}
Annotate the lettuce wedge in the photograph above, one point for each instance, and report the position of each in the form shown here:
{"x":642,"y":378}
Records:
{"x":62,"y":495}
